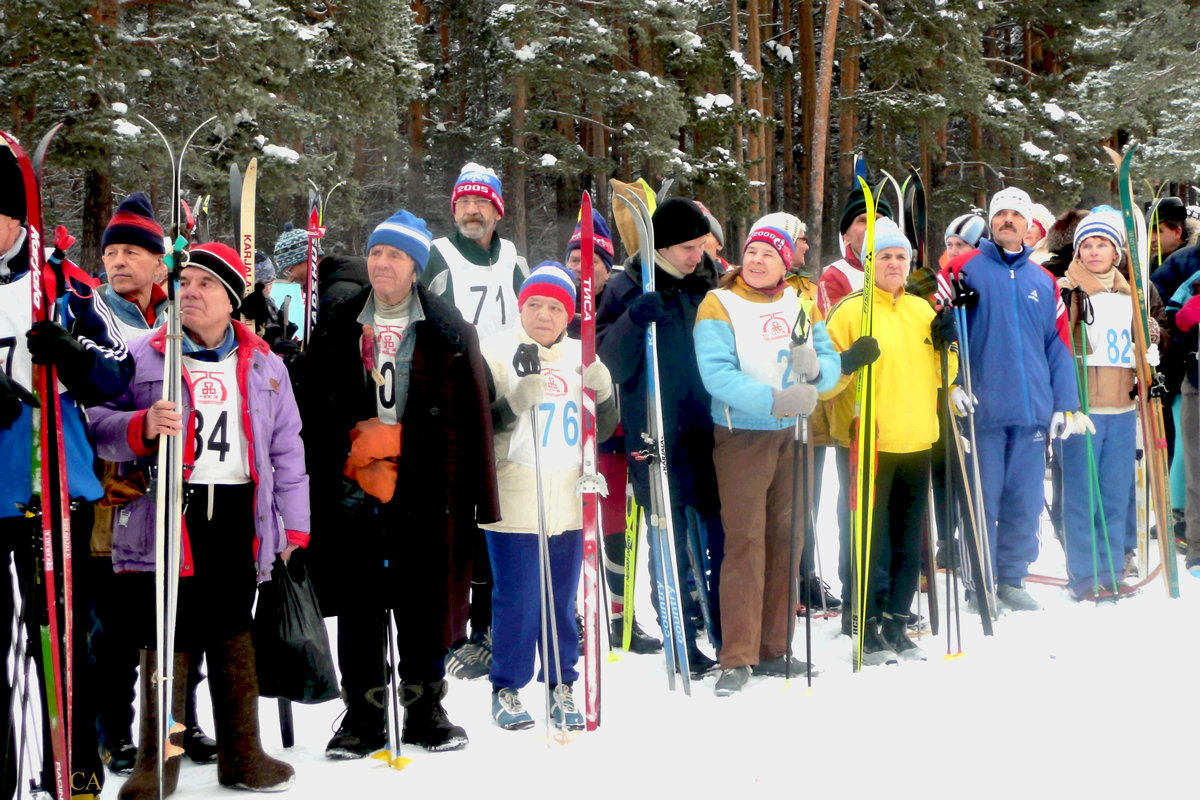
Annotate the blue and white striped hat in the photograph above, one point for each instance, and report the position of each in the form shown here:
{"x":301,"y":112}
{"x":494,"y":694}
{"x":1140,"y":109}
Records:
{"x":404,"y":232}
{"x":969,"y":227}
{"x":1104,"y":221}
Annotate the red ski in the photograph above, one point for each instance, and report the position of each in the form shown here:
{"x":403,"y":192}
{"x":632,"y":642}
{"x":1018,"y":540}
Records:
{"x":50,"y":488}
{"x":591,"y":483}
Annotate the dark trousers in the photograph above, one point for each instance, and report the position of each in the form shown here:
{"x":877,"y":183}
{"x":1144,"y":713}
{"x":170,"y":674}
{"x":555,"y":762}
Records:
{"x":215,"y":602}
{"x":901,"y":504}
{"x":20,"y":538}
{"x":409,"y":582}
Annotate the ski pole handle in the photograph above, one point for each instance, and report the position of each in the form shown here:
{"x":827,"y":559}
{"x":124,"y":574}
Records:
{"x":526,"y":361}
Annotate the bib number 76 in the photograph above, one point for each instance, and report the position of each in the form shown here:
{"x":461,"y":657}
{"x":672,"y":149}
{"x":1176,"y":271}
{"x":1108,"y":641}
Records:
{"x":569,"y":422}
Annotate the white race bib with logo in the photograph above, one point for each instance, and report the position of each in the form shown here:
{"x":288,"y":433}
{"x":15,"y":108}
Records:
{"x":558,"y":417}
{"x":222,"y":450}
{"x":1110,"y":336}
{"x":762,"y":333}
{"x":484,"y":294}
{"x":388,"y":334}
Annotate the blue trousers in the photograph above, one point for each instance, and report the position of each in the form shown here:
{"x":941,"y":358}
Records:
{"x":516,"y":606}
{"x":1012,"y":468}
{"x":1113,"y":446}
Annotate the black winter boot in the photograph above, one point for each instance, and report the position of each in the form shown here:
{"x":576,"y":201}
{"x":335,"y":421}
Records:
{"x":894,"y":632}
{"x":364,"y":727}
{"x":639,"y":641}
{"x":875,"y":651}
{"x":142,"y":784}
{"x":425,"y":721}
{"x":197,"y":746}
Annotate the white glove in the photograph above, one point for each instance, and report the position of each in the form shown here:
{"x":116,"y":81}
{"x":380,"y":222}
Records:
{"x":804,"y":363}
{"x":799,"y":398}
{"x":1079,"y":423}
{"x":527,"y":393}
{"x":597,"y":378}
{"x":1058,"y":425}
{"x":1152,"y":356}
{"x":964,"y":403}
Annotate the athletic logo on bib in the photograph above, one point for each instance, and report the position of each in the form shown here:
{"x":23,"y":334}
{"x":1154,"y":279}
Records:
{"x":389,"y":338}
{"x":556,"y":385}
{"x":209,"y":389}
{"x":775,"y":327}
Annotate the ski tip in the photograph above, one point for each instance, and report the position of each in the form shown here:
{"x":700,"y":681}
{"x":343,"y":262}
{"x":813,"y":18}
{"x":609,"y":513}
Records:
{"x":393,"y":760}
{"x":614,"y":657}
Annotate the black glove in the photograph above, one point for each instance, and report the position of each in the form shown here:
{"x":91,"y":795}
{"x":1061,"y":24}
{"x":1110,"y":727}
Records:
{"x":943,"y":330}
{"x":12,"y":395}
{"x":647,"y":308}
{"x":862,"y":352}
{"x":286,"y":348}
{"x":964,"y":296}
{"x":255,"y":308}
{"x":52,"y":344}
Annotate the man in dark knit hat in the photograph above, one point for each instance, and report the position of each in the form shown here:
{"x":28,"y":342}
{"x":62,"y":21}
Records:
{"x":132,"y":249}
{"x":1168,"y":229}
{"x":239,"y":409}
{"x":846,"y":274}
{"x":684,"y":274}
{"x":80,"y":339}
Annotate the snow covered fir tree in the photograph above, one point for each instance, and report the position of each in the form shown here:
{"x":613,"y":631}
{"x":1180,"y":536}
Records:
{"x":836,"y":358}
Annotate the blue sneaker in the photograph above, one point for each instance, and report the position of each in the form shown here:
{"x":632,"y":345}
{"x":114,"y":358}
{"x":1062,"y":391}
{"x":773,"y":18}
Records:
{"x":563,"y":712}
{"x":508,"y":711}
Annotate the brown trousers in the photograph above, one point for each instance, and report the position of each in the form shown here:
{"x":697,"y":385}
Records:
{"x":754,"y":479}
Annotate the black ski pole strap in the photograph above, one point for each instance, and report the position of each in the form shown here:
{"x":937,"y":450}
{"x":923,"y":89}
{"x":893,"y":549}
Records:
{"x":802,"y":326}
{"x":526,"y":361}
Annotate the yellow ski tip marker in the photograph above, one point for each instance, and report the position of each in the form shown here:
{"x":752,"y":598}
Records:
{"x":395,"y":761}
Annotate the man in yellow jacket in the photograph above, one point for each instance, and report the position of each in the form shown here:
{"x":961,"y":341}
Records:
{"x":907,"y":336}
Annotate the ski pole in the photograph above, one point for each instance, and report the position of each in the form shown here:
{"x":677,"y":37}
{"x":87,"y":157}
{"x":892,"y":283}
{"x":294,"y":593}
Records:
{"x":526,"y":362}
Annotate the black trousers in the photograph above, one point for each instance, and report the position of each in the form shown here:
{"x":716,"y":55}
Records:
{"x":20,"y":540}
{"x":216,"y":601}
{"x":412,"y":582}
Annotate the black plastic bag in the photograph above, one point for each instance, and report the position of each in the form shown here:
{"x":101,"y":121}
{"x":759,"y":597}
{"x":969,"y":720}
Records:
{"x":290,"y":639}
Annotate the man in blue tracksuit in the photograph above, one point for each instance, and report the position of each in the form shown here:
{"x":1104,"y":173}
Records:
{"x":1022,"y":378}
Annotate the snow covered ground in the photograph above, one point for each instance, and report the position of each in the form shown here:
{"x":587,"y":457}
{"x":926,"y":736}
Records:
{"x":1073,"y":701}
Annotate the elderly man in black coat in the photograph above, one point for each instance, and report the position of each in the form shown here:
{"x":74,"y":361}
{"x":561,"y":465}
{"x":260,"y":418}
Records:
{"x":395,"y":364}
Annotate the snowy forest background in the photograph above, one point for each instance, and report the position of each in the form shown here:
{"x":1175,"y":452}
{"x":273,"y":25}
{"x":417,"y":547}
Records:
{"x":750,"y":105}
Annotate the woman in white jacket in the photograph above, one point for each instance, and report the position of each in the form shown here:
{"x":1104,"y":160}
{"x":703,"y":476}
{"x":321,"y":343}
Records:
{"x":546,"y":304}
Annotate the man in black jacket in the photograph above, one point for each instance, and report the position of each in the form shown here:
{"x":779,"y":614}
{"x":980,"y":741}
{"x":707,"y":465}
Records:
{"x":684,"y":274}
{"x":396,"y":361}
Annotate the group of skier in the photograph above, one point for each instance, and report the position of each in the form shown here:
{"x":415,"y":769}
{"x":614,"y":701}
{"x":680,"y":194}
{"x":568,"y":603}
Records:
{"x":435,"y":411}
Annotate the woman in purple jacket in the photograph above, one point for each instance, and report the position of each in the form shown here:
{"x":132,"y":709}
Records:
{"x":246,"y":500}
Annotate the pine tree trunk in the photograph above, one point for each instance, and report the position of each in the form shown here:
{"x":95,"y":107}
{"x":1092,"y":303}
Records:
{"x":848,"y":121}
{"x":820,"y":130}
{"x":808,"y":97}
{"x":788,"y":117}
{"x":735,"y":45}
{"x":520,"y":220}
{"x":754,"y":93}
